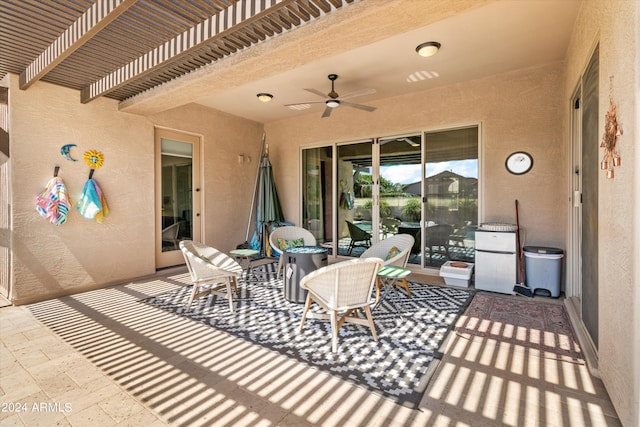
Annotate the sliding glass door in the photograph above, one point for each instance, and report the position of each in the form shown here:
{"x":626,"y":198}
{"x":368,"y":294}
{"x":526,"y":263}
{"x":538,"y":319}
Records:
{"x":423,"y":184}
{"x":317,"y":197}
{"x":400,"y":188}
{"x":355,"y":216}
{"x":450,"y":196}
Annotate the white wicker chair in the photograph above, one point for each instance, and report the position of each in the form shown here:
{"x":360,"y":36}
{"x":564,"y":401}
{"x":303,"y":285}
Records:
{"x":211,"y":271}
{"x":288,"y":232}
{"x":404,"y":243}
{"x":340,"y":289}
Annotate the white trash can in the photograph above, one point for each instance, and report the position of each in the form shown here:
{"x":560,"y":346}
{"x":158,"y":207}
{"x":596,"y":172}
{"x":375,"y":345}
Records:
{"x":543,"y":269}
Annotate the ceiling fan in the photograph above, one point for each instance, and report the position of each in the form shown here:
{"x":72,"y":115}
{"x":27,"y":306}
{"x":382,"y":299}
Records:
{"x":334,"y":100}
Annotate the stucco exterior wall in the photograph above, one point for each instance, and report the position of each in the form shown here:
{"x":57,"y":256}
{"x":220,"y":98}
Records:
{"x":51,"y":260}
{"x":519,"y":110}
{"x":614,"y":25}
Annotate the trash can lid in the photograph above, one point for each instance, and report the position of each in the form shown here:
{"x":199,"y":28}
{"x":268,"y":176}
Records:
{"x":542,"y":250}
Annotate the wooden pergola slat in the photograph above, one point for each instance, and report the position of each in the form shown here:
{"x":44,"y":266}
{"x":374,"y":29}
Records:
{"x":120,"y":48}
{"x":90,"y":23}
{"x":220,"y":26}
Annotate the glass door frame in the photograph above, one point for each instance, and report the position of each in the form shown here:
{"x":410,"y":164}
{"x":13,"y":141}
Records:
{"x":172,"y":258}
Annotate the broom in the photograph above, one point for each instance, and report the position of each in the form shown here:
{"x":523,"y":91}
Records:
{"x":520,"y":288}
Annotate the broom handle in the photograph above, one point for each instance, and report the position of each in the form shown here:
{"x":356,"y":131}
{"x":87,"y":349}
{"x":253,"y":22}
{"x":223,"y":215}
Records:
{"x":520,"y":266}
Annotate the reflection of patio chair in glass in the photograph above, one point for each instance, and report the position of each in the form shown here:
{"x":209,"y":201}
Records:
{"x":358,"y":236}
{"x":170,"y":235}
{"x":462,"y":244}
{"x":437,"y":240}
{"x":390,"y":225}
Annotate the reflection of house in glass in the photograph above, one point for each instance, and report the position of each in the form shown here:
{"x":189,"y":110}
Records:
{"x":448,"y":193}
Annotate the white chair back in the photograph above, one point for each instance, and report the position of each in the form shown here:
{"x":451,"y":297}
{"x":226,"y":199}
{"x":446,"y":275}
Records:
{"x":403,"y":242}
{"x":205,"y":263}
{"x":289,"y":232}
{"x":344,"y":285}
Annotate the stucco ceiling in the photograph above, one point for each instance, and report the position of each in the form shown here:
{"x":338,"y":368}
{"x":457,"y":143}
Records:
{"x":495,"y":38}
{"x":368,"y":43}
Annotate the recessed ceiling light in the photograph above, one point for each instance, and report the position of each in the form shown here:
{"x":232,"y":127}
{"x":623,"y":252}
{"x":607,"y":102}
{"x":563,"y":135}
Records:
{"x":428,"y":48}
{"x":264,"y":97}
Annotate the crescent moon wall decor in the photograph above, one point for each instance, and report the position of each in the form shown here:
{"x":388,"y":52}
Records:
{"x":65,"y":150}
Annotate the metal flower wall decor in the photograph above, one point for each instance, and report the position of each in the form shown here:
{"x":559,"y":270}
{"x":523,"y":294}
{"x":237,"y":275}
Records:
{"x":612,"y":130}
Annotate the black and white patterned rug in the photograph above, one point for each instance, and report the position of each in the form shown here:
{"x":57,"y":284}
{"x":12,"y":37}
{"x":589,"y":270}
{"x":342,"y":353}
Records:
{"x":396,"y":367}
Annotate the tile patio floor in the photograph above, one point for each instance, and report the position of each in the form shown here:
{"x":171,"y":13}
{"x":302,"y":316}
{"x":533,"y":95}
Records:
{"x":100,"y":359}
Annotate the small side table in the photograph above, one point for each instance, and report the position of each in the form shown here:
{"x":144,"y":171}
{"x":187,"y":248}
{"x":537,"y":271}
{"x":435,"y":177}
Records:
{"x":388,"y":276}
{"x":298,"y":262}
{"x":244,"y":257}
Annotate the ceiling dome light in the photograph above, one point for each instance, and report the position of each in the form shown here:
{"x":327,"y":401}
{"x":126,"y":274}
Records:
{"x":264,"y":97}
{"x":333,"y":103}
{"x":428,"y":49}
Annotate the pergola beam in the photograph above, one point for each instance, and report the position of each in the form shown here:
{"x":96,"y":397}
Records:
{"x":101,"y":14}
{"x":240,"y":14}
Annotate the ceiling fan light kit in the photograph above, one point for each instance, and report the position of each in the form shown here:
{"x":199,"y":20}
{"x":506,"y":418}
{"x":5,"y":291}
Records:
{"x":264,"y":97}
{"x":334,"y":100}
{"x":428,"y":48}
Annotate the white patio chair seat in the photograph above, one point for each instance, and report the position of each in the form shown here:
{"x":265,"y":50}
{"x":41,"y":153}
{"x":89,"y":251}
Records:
{"x":341,"y":289}
{"x":211,"y":270}
{"x":403,"y":243}
{"x":288,"y":232}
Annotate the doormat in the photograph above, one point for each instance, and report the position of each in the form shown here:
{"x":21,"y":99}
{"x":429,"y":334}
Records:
{"x":396,"y":367}
{"x":529,"y":323}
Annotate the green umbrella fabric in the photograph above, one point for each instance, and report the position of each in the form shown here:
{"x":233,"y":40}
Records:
{"x":269,"y":209}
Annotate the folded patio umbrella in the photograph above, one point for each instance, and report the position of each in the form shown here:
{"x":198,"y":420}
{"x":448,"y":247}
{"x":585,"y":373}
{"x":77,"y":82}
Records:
{"x":54,"y":202}
{"x":92,"y":203}
{"x":269,"y":210}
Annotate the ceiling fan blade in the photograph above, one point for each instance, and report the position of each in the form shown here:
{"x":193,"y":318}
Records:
{"x":361,"y":92}
{"x":317,"y":92}
{"x":358,"y":106}
{"x":327,"y":112}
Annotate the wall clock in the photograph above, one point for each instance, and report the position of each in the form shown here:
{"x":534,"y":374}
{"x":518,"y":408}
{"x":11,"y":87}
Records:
{"x":519,"y":163}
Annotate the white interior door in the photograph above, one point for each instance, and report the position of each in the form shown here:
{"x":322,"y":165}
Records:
{"x":178,"y":195}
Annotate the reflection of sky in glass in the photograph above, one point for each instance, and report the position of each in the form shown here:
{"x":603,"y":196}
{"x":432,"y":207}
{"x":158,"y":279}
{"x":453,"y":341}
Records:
{"x":407,"y":174}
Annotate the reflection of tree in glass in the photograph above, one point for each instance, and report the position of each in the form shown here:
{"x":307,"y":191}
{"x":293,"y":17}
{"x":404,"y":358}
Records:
{"x":385,"y":209}
{"x":363,"y":183}
{"x":467,"y":211}
{"x":412,"y":209}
